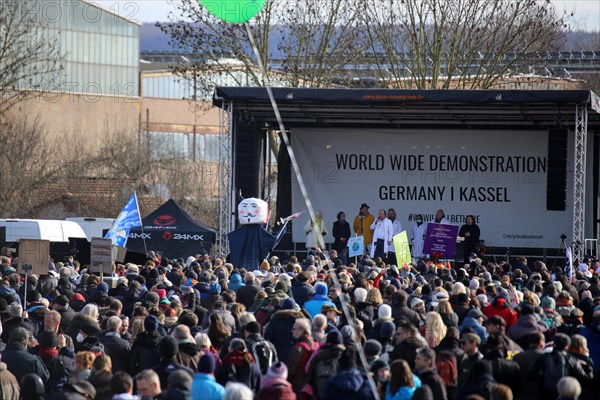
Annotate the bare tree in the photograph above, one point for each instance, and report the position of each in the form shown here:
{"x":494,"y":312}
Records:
{"x":28,"y":162}
{"x":30,"y":58}
{"x":316,"y":40}
{"x":430,"y":44}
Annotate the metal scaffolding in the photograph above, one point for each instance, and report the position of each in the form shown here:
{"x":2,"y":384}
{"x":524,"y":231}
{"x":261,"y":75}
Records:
{"x":581,"y":118}
{"x":226,"y":196}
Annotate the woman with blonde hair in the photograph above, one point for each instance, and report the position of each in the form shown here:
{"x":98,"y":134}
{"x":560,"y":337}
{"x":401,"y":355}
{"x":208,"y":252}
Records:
{"x":87,"y":316}
{"x":449,"y":317}
{"x":435,"y":329}
{"x":374,"y":297}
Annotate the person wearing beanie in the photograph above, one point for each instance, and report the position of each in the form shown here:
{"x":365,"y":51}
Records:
{"x":319,"y":299}
{"x":325,"y":363}
{"x":274,"y":384}
{"x":143,"y":351}
{"x":264,"y":351}
{"x":279,"y":329}
{"x":168,"y":350}
{"x":204,"y":385}
{"x":372,"y":349}
{"x":100,"y":295}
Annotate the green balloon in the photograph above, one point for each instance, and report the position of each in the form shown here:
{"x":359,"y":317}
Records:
{"x":234,"y":11}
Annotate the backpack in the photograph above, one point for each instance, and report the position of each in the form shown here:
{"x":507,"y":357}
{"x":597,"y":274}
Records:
{"x":325,"y":369}
{"x":554,"y":367}
{"x":263,"y":355}
{"x":446,"y":366}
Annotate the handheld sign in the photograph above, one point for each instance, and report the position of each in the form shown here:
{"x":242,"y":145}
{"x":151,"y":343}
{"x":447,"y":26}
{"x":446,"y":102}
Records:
{"x":234,"y":11}
{"x":101,"y":255}
{"x":440,"y":239}
{"x":402,"y":249}
{"x":356,"y":246}
{"x":35,"y":253}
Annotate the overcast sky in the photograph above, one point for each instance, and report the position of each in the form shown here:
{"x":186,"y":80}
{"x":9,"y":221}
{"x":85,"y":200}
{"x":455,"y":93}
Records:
{"x":587,"y":12}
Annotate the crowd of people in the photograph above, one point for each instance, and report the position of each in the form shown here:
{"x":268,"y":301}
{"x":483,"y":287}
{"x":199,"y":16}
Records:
{"x":316,"y":328}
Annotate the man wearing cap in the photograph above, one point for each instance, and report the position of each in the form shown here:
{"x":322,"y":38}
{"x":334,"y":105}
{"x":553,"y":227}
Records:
{"x":469,"y":342}
{"x":333,"y":315}
{"x":204,"y":385}
{"x":474,"y":321}
{"x":362,"y":225}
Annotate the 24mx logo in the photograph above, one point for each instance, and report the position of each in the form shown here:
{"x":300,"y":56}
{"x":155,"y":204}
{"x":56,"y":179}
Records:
{"x":140,"y":236}
{"x":187,"y":236}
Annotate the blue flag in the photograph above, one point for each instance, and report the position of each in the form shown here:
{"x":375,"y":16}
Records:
{"x":128,"y":218}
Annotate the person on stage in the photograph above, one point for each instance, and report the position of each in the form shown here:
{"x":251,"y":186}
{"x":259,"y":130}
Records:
{"x":470,"y":231}
{"x":396,"y":229}
{"x":382,"y":235}
{"x":362,"y":224}
{"x":419,"y":229}
{"x":341,"y":233}
{"x":440,"y":217}
{"x":314,"y":237}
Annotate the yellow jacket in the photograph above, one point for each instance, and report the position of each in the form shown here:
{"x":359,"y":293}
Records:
{"x":362,"y":227}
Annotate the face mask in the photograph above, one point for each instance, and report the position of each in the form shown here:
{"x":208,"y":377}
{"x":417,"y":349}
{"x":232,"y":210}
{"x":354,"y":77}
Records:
{"x":80,"y":338}
{"x":419,"y":221}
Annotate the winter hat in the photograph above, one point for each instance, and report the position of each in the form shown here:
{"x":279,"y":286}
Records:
{"x":289,"y":304}
{"x":548,"y":302}
{"x":348,"y":333}
{"x":281,"y":285}
{"x":205,"y":276}
{"x":278,"y":370}
{"x":151,"y":323}
{"x":486,"y":276}
{"x":162,"y":293}
{"x":386,"y":330}
{"x":415,"y":302}
{"x":102,"y":287}
{"x":372,"y":348}
{"x":78,"y":297}
{"x":215,"y":288}
{"x":152,"y":298}
{"x":48,"y":339}
{"x":585,"y":294}
{"x":334,"y":338}
{"x":442,"y":296}
{"x":168,"y":347}
{"x":191,"y":274}
{"x":378,"y":364}
{"x":321,"y":289}
{"x":207,"y":364}
{"x":482,"y":299}
{"x":384,"y":311}
{"x":474,"y":284}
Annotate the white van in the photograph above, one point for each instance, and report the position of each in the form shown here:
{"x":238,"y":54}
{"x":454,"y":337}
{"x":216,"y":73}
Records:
{"x":93,"y":227}
{"x":41,"y":229}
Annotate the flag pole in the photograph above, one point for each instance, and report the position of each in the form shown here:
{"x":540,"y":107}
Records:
{"x":137,"y":203}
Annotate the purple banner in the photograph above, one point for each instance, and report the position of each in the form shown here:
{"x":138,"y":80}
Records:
{"x":440,"y":240}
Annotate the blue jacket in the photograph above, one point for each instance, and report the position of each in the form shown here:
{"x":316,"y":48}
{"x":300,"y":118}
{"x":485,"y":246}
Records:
{"x":204,"y":387}
{"x":405,"y":392}
{"x":471,"y":322}
{"x":313,"y":306}
{"x":592,"y":334}
{"x":236,"y":282}
{"x":348,"y":384}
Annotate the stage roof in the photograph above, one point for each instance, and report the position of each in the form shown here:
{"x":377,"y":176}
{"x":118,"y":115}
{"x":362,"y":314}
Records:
{"x":390,"y":108}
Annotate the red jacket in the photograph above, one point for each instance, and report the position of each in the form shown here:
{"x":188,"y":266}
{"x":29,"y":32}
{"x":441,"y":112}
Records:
{"x":500,"y":308}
